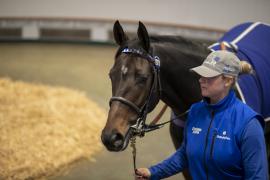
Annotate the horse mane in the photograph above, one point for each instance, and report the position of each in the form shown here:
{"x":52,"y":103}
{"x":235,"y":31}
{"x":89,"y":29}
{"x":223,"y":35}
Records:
{"x":186,"y":45}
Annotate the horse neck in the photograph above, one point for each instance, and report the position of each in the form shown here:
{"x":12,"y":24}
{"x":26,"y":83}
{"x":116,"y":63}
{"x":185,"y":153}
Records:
{"x":180,"y":88}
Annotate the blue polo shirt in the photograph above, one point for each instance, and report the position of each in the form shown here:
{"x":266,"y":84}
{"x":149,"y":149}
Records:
{"x":222,"y":141}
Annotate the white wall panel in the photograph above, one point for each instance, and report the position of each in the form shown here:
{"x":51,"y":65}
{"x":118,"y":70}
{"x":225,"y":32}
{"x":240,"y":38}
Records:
{"x":207,"y":13}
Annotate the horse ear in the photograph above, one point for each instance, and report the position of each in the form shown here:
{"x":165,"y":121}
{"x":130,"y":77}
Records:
{"x":119,"y":34}
{"x":143,"y":36}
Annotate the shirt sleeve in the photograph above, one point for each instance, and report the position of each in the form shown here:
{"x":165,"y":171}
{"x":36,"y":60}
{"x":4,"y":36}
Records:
{"x":174,"y":164}
{"x":254,"y":151}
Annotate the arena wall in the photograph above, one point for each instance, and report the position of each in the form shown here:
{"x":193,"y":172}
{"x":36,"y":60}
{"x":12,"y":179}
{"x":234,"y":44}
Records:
{"x":93,"y":19}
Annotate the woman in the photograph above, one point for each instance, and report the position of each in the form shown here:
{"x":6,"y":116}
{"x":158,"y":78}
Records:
{"x":224,"y":137}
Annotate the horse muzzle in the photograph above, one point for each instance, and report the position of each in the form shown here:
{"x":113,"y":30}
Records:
{"x":115,"y":141}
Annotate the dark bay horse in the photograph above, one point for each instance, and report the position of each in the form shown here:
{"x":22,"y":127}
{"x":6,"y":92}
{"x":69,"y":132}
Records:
{"x":137,"y":87}
{"x":132,"y":77}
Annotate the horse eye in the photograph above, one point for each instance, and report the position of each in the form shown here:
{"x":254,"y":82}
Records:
{"x":141,"y":79}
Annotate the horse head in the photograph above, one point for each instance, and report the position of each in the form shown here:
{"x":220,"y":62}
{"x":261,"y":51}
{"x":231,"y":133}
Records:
{"x":133,"y":87}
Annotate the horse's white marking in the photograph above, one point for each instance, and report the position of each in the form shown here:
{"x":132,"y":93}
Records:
{"x":124,"y":69}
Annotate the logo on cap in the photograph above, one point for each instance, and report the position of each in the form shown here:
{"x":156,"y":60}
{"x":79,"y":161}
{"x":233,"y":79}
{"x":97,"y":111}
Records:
{"x":211,"y":62}
{"x":228,"y":69}
{"x":216,"y":58}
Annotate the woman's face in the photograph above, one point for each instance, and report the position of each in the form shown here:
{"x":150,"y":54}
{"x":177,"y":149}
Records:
{"x":216,"y":88}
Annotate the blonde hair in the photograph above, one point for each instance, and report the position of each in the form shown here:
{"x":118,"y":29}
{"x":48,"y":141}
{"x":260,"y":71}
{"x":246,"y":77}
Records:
{"x":246,"y":68}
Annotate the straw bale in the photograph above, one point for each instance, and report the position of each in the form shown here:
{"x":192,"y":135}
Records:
{"x":44,"y":129}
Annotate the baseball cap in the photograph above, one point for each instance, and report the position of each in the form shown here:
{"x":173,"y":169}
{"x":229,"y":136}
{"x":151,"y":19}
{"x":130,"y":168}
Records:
{"x":219,"y":62}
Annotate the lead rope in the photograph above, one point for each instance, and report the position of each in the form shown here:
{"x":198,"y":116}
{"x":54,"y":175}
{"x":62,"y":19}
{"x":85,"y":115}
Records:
{"x":133,"y":146}
{"x":133,"y":138}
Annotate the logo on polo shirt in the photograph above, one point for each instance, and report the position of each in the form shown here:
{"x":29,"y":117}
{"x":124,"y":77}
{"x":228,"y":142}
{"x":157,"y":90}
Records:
{"x":196,"y":130}
{"x":224,"y":136}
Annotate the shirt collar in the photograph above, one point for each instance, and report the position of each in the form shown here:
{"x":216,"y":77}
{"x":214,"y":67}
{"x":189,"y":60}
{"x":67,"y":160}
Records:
{"x":222,"y":103}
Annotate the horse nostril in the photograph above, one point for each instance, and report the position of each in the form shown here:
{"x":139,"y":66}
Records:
{"x":113,"y":141}
{"x":104,"y":138}
{"x":117,"y":140}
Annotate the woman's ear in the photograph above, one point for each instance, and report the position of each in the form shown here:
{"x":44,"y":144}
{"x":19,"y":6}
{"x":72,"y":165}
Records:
{"x":229,"y":81}
{"x":227,"y":84}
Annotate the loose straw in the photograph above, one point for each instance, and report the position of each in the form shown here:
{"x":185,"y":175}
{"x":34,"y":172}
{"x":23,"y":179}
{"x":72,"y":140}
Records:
{"x":44,"y":129}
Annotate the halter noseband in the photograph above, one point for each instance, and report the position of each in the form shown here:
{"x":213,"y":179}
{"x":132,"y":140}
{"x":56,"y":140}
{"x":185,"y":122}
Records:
{"x":139,"y":127}
{"x":126,"y":102}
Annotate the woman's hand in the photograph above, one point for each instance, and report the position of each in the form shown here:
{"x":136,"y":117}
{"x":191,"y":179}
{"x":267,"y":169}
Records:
{"x":142,"y":174}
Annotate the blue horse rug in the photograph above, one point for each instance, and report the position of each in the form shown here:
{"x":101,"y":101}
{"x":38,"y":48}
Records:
{"x":251,"y":43}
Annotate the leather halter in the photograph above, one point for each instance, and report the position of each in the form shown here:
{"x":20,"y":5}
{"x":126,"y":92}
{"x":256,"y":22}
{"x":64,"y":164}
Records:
{"x":140,"y":127}
{"x":126,"y":102}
